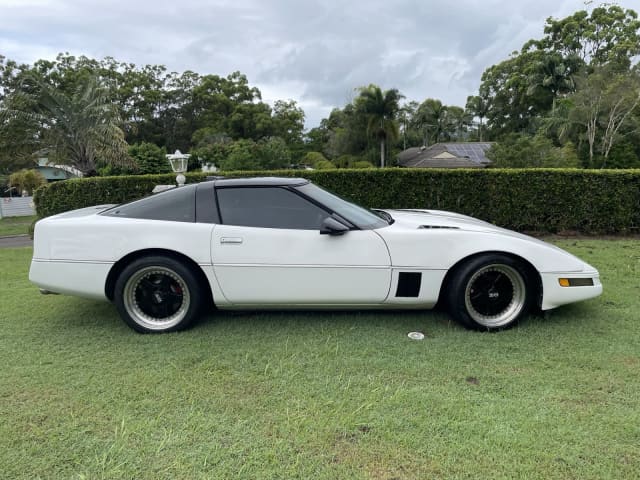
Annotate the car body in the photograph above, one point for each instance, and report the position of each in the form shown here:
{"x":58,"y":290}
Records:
{"x":275,"y":243}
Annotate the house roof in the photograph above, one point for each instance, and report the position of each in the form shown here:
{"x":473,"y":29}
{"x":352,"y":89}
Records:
{"x":58,"y":172}
{"x":446,"y":155}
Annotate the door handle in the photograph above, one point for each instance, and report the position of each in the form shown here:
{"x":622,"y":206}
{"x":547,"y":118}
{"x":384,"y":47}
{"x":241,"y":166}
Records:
{"x":231,"y":240}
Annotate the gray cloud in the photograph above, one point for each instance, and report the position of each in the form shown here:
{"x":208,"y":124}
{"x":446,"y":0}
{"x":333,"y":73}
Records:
{"x":316,"y":52}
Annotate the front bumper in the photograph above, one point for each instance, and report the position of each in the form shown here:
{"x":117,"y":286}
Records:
{"x":555,"y":295}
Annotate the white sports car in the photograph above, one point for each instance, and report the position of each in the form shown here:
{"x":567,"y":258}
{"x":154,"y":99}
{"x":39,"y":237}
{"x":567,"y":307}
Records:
{"x":275,"y":243}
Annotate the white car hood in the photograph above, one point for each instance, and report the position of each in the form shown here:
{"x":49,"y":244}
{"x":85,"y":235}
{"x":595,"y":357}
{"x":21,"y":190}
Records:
{"x":543,"y":254}
{"x":437,"y":218}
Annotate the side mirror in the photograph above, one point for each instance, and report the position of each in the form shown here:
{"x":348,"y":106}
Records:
{"x":331,"y":226}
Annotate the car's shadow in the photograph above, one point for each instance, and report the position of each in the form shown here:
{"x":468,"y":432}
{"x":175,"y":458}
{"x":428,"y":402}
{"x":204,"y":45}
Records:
{"x":103,"y":318}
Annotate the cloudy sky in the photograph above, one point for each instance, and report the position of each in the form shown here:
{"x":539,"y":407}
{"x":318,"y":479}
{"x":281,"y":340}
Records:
{"x":315,"y":52}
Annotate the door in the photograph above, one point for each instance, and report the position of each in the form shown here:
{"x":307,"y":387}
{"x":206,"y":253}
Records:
{"x":269,"y":251}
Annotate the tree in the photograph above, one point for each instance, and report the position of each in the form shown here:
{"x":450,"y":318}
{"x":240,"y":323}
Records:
{"x":553,"y":76}
{"x":347,"y":132}
{"x":18,"y":133}
{"x":607,"y":35}
{"x":411,"y":136}
{"x":603,"y":106}
{"x":456,"y":120}
{"x":381,"y":109}
{"x":525,"y":151}
{"x":511,"y":105}
{"x":430,"y":117}
{"x":241,"y":156}
{"x":478,"y":106}
{"x":81,"y":129}
{"x":527,"y":86}
{"x":288,"y":121}
{"x":149,"y":158}
{"x":251,"y":120}
{"x":211,"y":146}
{"x":273,"y":153}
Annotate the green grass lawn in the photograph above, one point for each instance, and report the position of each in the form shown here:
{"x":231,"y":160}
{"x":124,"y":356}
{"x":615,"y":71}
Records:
{"x":322,"y":395}
{"x":15,"y":225}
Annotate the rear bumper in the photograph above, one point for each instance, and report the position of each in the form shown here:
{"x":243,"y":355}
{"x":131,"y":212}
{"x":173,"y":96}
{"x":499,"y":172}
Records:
{"x":554,"y":295}
{"x":83,"y":279}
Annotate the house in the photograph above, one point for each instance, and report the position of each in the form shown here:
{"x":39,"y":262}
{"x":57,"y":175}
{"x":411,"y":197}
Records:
{"x":53,"y":173}
{"x":446,"y":155}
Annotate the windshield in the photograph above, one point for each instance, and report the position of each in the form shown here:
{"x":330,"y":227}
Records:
{"x":359,"y":216}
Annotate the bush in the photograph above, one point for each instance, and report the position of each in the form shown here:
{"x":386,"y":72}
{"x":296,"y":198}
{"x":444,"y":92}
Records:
{"x":311,"y":158}
{"x":362,"y":164}
{"x":541,"y":200}
{"x":525,"y":151}
{"x":324,"y":165}
{"x":26,"y":181}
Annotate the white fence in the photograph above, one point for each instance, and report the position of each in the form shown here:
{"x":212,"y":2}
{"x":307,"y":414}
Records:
{"x":16,"y":207}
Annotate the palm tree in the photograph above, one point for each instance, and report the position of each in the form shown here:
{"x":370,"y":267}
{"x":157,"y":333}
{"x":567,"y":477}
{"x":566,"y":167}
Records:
{"x":381,"y":109}
{"x":478,"y":106}
{"x":554,"y":75}
{"x":432,"y":116}
{"x":81,"y":128}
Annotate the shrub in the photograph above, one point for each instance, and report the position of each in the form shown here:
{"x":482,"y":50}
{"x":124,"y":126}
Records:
{"x":542,"y":200}
{"x":324,"y":165}
{"x":311,"y":158}
{"x":26,"y":181}
{"x":362,"y":164}
{"x":525,"y":151}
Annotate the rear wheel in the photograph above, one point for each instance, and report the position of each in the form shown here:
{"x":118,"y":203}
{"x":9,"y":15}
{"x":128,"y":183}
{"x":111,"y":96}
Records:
{"x":157,"y":294}
{"x":490,"y":292}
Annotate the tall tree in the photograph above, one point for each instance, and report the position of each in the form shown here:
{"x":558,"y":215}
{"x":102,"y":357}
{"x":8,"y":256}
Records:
{"x":381,"y":109}
{"x":608,"y":34}
{"x":431,"y":117}
{"x":411,"y":136}
{"x":553,"y":75}
{"x":81,"y":128}
{"x":526,"y":87}
{"x":604,"y":105}
{"x":478,"y":106}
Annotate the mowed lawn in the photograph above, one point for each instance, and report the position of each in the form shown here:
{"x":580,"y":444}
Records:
{"x":322,"y":395}
{"x":15,"y":225}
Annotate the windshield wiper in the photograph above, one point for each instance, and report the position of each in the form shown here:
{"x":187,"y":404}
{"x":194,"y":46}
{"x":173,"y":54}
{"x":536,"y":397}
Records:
{"x":384,"y":215}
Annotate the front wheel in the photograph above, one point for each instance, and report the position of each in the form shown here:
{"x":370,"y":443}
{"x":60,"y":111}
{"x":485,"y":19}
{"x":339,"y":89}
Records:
{"x":490,"y":292}
{"x":157,"y":294}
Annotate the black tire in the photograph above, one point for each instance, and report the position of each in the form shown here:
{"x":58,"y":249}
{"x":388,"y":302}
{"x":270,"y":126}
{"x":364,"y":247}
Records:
{"x":158,"y":294}
{"x":490,"y":292}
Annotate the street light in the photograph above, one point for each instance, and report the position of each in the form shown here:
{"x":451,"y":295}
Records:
{"x":179,"y":162}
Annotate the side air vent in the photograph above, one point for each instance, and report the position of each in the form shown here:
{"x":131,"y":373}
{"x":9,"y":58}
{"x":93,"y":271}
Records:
{"x":409,"y":284}
{"x":437,"y":227}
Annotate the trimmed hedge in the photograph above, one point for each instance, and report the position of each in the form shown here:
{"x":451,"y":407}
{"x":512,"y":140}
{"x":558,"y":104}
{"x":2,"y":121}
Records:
{"x":535,"y":200}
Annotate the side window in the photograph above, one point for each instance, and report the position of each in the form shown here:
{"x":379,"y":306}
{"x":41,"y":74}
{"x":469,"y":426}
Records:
{"x":176,"y":205}
{"x":268,"y":207}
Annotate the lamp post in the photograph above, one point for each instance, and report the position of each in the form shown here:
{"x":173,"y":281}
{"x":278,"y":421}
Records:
{"x":179,"y":162}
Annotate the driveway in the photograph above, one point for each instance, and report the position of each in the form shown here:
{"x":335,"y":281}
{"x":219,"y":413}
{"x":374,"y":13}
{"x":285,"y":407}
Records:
{"x":16,"y":241}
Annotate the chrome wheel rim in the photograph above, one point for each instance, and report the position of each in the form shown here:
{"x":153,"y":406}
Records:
{"x":156,"y":298}
{"x":495,"y":295}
